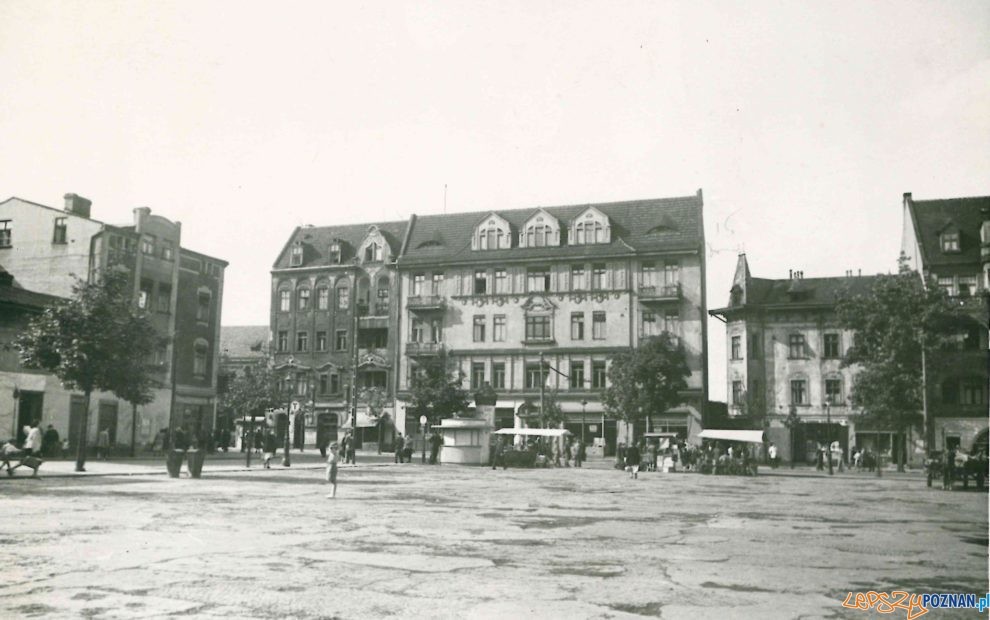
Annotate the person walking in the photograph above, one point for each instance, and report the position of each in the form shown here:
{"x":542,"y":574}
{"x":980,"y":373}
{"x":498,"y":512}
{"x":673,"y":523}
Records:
{"x":331,"y":473}
{"x":576,"y":452}
{"x":51,"y":443}
{"x":435,"y":442}
{"x":32,"y":441}
{"x":269,"y":446}
{"x":498,"y":453}
{"x":632,"y":460}
{"x":346,"y":446}
{"x":400,"y":444}
{"x":582,"y":453}
{"x":103,"y":444}
{"x":772,"y":455}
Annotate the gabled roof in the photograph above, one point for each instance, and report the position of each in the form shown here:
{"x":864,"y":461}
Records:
{"x":244,"y":340}
{"x":316,"y":242}
{"x":931,"y":217}
{"x":60,"y":211}
{"x":630,"y":222}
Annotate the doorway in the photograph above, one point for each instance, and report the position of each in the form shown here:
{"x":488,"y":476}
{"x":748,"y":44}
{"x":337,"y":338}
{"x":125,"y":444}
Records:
{"x":29,"y":408}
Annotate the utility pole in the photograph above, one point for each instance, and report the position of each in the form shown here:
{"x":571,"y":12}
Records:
{"x":290,"y":384}
{"x":828,"y":425}
{"x":354,"y":368}
{"x":542,"y":390}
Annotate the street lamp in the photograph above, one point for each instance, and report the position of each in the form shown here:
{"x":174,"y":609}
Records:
{"x":791,"y":422}
{"x":584,"y":404}
{"x":828,"y":432}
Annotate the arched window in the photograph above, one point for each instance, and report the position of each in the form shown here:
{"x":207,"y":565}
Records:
{"x":373,"y":252}
{"x":322,"y":298}
{"x":204,"y":297}
{"x":201,"y":349}
{"x":284,"y":300}
{"x":343,"y":294}
{"x":303,"y":303}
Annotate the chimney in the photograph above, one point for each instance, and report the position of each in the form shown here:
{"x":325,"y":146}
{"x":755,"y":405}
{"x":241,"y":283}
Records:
{"x":140,"y":214}
{"x":77,"y":205}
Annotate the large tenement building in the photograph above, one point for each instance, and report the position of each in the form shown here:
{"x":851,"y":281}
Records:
{"x":44,"y":249}
{"x":496,"y":290}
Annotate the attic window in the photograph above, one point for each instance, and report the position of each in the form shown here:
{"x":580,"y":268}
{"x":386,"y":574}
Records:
{"x":950,"y":241}
{"x":334,"y":252}
{"x":373,"y":253}
{"x":664,"y":225}
{"x":296,"y":258}
{"x":429,"y":243}
{"x":491,"y":235}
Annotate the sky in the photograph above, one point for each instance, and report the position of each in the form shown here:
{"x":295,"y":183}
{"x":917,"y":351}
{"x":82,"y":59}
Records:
{"x":803,"y":123}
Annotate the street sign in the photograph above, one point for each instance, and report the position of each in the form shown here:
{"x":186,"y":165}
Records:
{"x":294,"y":406}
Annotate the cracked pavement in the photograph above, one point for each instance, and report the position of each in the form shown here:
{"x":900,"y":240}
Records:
{"x":457,"y":542}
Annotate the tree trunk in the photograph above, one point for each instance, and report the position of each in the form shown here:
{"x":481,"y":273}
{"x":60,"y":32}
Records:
{"x":133,"y":430}
{"x":83,"y":432}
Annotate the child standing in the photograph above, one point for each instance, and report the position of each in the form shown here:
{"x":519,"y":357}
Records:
{"x":332,"y":461}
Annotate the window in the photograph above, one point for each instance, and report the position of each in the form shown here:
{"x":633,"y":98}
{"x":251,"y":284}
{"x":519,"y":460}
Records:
{"x":6,"y":234}
{"x":148,"y":245}
{"x":296,"y":255}
{"x":436,"y":330}
{"x":537,"y":279}
{"x":200,"y":349}
{"x":796,"y":346}
{"x":833,"y":391}
{"x":479,"y":328}
{"x":972,"y":392}
{"x":334,"y":383}
{"x":343,"y":297}
{"x":284,"y":301}
{"x":578,"y":282}
{"x":335,"y":253}
{"x":947,"y":284}
{"x":798,"y":392}
{"x":649,"y":326}
{"x":737,"y":392}
{"x":322,"y":298}
{"x":535,"y":376}
{"x":164,"y":298}
{"x":967,"y":286}
{"x":373,"y":253}
{"x":501,"y":281}
{"x":417,"y":284}
{"x":167,"y":250}
{"x":144,"y":295}
{"x":498,"y":375}
{"x":598,"y":375}
{"x":491,"y":237}
{"x":498,"y":328}
{"x":671,"y":274}
{"x":480,"y":282}
{"x":340,"y":340}
{"x":598,"y":325}
{"x":321,"y":341}
{"x":437,"y":284}
{"x":416,"y":331}
{"x":302,"y":384}
{"x":648,"y":275}
{"x":324,"y":385}
{"x":598,"y":278}
{"x":477,"y":375}
{"x":830,"y":346}
{"x":538,"y":328}
{"x":302,"y":341}
{"x":577,"y":326}
{"x":672,"y":323}
{"x":950,"y":392}
{"x":577,"y":374}
{"x":61,"y":235}
{"x":303,"y":299}
{"x":203,"y":306}
{"x":754,"y":346}
{"x":283,"y":341}
{"x":950,"y":241}
{"x":736,"y":348}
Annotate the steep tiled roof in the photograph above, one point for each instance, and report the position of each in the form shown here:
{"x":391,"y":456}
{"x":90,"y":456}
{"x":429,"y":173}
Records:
{"x":316,"y":241}
{"x":931,"y":217}
{"x":244,"y":340}
{"x":665,"y":224}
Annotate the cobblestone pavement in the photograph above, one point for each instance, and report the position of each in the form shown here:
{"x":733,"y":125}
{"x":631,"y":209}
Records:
{"x":416,"y":541}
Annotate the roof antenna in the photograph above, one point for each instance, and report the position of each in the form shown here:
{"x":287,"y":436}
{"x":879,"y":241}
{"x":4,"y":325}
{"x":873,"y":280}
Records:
{"x":445,"y":199}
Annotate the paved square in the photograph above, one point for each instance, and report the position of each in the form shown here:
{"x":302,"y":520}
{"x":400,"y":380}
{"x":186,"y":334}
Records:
{"x":416,"y":541}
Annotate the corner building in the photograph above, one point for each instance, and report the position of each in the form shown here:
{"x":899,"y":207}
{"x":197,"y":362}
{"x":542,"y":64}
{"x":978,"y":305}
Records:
{"x":575,"y":284}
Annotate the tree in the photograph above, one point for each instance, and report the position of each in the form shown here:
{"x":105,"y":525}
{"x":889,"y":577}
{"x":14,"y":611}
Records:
{"x":95,"y":340}
{"x":437,"y":391}
{"x":253,"y":392}
{"x":895,"y":322}
{"x":551,"y":416}
{"x":375,"y":398}
{"x":646,"y":380}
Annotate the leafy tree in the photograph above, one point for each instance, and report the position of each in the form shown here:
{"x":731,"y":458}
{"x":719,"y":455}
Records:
{"x":646,"y":380}
{"x":551,"y":416}
{"x":95,"y":340}
{"x":894,"y":322}
{"x":254,"y":392}
{"x":437,"y":391}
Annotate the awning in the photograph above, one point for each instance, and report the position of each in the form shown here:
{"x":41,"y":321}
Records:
{"x":725,"y":435}
{"x":659,"y":434}
{"x":363,"y":421}
{"x":534,"y":432}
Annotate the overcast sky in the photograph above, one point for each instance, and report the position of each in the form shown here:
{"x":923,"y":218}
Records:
{"x":804,"y":123}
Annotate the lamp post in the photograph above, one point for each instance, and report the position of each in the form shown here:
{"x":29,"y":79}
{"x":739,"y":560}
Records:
{"x":584,"y":404}
{"x":791,"y":422}
{"x":828,"y":432}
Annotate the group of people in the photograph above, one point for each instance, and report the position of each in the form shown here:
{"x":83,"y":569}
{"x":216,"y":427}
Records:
{"x":547,"y":451}
{"x":654,"y":456}
{"x":404,"y":448}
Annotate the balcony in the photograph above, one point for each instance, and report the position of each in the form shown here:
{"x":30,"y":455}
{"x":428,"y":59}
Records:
{"x":423,"y":349}
{"x":650,"y":293}
{"x":426,"y":303}
{"x":539,"y":340}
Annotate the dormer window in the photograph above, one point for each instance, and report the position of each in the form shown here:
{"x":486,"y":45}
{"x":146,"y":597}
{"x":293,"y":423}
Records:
{"x":592,"y":226}
{"x":950,"y":241}
{"x":492,"y":234}
{"x":335,"y":252}
{"x":373,"y":253}
{"x":541,"y":230}
{"x":296,"y":256}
